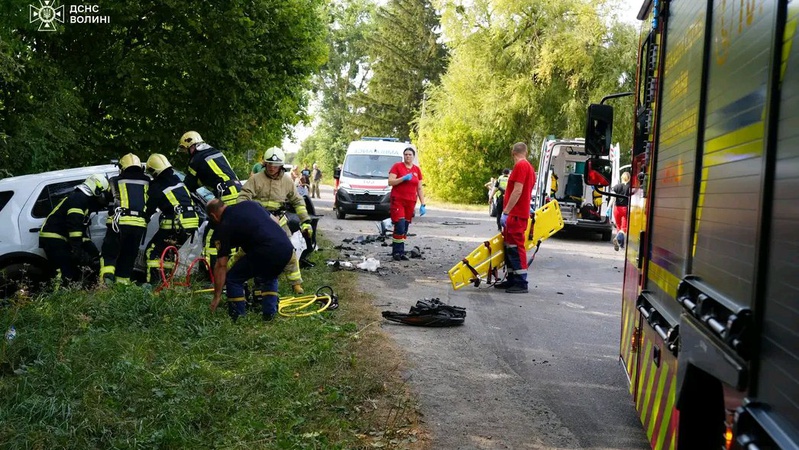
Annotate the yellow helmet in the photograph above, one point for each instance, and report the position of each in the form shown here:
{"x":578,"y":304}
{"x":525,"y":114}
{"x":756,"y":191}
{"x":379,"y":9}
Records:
{"x":188,"y":139}
{"x":129,"y":160}
{"x":274,"y":156}
{"x":97,"y":184}
{"x":156,"y":164}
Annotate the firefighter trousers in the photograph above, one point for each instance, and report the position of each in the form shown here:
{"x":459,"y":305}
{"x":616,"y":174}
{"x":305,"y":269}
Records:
{"x":292,"y":269}
{"x":162,"y":239}
{"x":120,"y":251}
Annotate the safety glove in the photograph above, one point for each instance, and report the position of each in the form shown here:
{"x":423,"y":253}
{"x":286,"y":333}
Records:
{"x":503,"y":220}
{"x":307,"y":230}
{"x":407,"y":177}
{"x":422,"y":210}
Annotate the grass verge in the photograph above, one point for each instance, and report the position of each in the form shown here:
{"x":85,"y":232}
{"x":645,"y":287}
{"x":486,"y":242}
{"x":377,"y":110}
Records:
{"x":123,"y":368}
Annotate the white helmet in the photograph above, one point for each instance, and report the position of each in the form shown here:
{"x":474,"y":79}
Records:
{"x":274,"y":156}
{"x":96,"y":184}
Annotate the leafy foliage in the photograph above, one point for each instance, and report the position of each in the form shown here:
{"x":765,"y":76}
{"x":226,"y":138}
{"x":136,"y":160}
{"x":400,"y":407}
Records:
{"x":236,"y":71}
{"x":406,"y":56}
{"x":343,"y":76}
{"x":519,"y":71}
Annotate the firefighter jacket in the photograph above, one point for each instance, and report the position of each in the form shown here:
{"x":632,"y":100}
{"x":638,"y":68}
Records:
{"x":274,"y":194}
{"x":168,"y":194}
{"x":209,"y":167}
{"x":502,"y":185}
{"x":68,"y":220}
{"x":130,"y":198}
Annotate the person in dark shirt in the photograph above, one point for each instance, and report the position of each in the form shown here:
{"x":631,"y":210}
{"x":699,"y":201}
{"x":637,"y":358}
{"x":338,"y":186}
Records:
{"x":267,"y":250}
{"x":620,"y":210}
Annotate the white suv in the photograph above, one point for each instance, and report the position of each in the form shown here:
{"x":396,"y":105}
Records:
{"x":25,"y":202}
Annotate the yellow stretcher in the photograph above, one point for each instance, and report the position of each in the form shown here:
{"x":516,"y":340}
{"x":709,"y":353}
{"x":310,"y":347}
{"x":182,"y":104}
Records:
{"x":489,"y":257}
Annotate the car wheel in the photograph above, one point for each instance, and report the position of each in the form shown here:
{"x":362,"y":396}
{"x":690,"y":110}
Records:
{"x":20,"y":274}
{"x":340,"y":214}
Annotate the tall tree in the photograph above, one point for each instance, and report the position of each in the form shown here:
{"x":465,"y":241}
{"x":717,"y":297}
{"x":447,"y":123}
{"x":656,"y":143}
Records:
{"x":343,"y":76}
{"x":520,"y":70}
{"x":237,"y":71}
{"x":407,"y":56}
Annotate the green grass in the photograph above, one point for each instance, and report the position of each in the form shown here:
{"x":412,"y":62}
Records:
{"x":123,"y":368}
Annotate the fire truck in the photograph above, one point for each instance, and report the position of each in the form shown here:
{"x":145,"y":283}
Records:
{"x":710,"y":303}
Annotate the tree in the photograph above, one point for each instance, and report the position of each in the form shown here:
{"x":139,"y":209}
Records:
{"x":343,"y":76}
{"x":406,"y":57}
{"x":237,"y":71}
{"x":519,"y":71}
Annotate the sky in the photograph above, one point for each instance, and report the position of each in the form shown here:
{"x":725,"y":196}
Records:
{"x":627,"y":13}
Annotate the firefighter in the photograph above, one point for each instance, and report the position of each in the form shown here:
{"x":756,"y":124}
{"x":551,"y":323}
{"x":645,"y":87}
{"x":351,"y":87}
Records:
{"x":129,"y":224}
{"x":63,"y":234}
{"x":209,"y":167}
{"x":266,"y":248}
{"x":179,"y":219}
{"x":274,"y":190}
{"x":499,"y":192}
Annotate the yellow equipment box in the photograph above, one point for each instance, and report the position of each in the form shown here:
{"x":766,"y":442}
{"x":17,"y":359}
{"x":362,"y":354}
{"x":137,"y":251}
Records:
{"x":489,"y":257}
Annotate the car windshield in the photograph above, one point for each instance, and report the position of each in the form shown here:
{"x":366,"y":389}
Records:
{"x":369,"y":166}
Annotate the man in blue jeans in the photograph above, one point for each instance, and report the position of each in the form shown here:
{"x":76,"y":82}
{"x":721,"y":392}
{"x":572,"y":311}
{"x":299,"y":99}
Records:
{"x":267,"y":249}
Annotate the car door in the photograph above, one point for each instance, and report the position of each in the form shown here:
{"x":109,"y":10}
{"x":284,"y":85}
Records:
{"x":45,"y":197}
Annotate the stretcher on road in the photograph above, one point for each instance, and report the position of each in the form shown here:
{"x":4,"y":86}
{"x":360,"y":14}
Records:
{"x":484,"y":262}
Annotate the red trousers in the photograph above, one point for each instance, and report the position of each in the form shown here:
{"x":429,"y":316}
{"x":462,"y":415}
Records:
{"x":620,"y":217}
{"x":516,"y":254}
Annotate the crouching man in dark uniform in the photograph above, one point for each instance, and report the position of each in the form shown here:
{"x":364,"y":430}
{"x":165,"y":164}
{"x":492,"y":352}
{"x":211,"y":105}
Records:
{"x":266,"y":250}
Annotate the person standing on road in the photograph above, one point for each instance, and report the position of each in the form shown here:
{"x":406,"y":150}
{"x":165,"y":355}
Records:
{"x":515,"y":215}
{"x":275,"y":191}
{"x":620,"y":210}
{"x":405,"y":179}
{"x":499,"y":192}
{"x":316,"y":178}
{"x":266,"y":248}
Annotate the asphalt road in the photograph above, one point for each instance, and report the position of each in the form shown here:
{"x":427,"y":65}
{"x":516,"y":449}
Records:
{"x":537,"y":370}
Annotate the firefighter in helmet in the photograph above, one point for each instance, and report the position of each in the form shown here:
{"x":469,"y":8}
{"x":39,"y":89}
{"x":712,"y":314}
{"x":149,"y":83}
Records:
{"x":63,"y":234}
{"x":128,"y":222}
{"x":178,"y":220}
{"x":209,"y":167}
{"x":275,"y":191}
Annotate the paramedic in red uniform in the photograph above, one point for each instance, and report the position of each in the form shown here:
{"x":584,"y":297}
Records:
{"x":515,"y":213}
{"x":405,"y":179}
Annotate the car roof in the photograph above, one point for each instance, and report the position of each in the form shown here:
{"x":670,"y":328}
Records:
{"x":73,"y":173}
